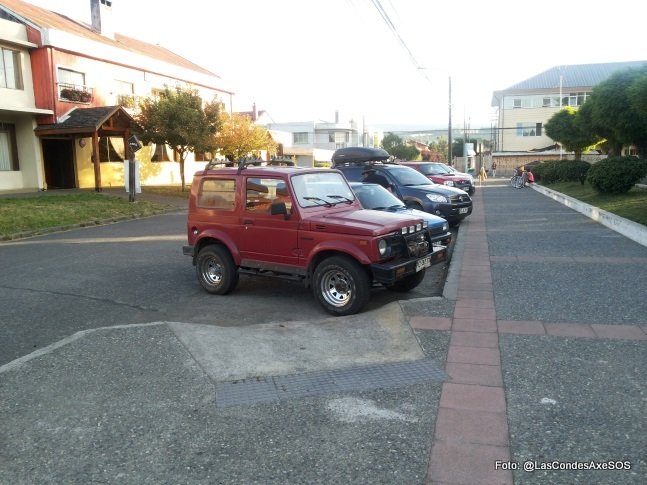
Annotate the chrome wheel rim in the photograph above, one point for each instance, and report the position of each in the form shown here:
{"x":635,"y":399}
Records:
{"x":336,"y":288}
{"x":212,"y":272}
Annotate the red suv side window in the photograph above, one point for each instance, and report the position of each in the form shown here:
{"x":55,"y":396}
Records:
{"x":217,"y":194}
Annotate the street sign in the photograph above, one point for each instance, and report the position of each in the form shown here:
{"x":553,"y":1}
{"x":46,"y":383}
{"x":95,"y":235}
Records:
{"x":134,"y":143}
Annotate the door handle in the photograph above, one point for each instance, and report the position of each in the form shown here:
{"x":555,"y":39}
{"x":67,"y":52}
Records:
{"x":248,"y":221}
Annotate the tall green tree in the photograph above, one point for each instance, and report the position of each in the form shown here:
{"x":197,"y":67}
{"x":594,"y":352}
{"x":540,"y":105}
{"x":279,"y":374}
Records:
{"x":395,"y":146}
{"x":179,"y":118}
{"x":615,"y":115}
{"x":564,"y":127}
{"x":390,"y":141}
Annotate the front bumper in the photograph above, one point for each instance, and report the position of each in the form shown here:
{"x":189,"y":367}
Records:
{"x":393,"y":271}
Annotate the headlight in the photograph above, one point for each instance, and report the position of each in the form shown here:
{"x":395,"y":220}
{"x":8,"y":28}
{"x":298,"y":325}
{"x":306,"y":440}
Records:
{"x":445,"y":227}
{"x":437,"y":198}
{"x":382,"y":246}
{"x":449,"y":182}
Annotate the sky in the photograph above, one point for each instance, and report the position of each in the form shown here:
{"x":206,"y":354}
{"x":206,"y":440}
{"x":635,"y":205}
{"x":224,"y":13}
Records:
{"x":385,"y":62}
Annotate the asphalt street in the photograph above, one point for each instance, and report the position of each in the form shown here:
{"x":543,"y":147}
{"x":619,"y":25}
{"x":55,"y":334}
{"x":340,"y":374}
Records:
{"x":134,"y":272}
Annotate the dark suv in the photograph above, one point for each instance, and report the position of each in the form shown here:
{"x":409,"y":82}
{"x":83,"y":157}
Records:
{"x":303,"y":225}
{"x":360,"y":164}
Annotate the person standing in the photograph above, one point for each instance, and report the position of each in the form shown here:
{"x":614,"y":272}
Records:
{"x":482,"y":175}
{"x":493,"y":169}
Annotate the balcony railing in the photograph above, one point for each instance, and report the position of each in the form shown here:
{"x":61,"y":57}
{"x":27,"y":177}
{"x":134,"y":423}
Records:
{"x":74,"y":93}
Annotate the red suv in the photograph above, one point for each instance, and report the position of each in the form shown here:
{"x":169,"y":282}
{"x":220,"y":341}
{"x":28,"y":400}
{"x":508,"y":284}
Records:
{"x":305,"y":225}
{"x":442,"y":174}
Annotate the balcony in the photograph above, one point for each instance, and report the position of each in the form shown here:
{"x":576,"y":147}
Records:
{"x":74,"y":93}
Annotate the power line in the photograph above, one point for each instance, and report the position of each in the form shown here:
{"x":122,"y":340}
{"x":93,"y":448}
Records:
{"x":393,"y":28}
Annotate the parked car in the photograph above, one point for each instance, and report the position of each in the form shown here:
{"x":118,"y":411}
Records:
{"x":304,"y":225}
{"x":376,"y":197}
{"x":444,"y":174}
{"x":359,"y":164}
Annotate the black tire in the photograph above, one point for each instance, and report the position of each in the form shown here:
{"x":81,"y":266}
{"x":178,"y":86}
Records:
{"x":216,"y":270}
{"x":415,"y":205}
{"x":472,"y":191}
{"x":341,"y":285}
{"x":408,"y":283}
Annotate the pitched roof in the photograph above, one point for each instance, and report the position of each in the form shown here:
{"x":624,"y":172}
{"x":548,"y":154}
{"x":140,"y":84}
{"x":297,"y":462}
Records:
{"x":574,"y":76}
{"x":87,"y":120}
{"x":51,"y":20}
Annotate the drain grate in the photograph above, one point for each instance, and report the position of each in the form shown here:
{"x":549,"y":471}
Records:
{"x":257,"y":390}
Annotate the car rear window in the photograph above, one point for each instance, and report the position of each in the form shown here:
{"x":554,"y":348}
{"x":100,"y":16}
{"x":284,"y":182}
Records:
{"x":217,"y":194}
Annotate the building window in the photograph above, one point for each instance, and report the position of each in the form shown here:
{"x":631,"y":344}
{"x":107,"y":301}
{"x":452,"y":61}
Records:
{"x":300,"y":138}
{"x":111,"y":149}
{"x":516,"y":103}
{"x":575,"y":99}
{"x":71,"y":86}
{"x":160,"y":154}
{"x":341,"y":139}
{"x":125,"y":94}
{"x":10,"y":70}
{"x":528,"y":129}
{"x":8,"y":148}
{"x":202,"y":156}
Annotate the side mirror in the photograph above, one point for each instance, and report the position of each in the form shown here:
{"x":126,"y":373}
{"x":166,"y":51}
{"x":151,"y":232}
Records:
{"x":279,"y":208}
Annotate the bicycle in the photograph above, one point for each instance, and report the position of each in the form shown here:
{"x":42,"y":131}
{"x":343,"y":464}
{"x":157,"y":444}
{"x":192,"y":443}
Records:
{"x":516,"y":181}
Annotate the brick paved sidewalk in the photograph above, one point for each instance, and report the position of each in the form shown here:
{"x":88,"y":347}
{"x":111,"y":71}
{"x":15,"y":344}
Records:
{"x":471,"y":431}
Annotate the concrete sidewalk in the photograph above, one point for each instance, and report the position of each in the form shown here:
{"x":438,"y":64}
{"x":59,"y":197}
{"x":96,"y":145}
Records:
{"x":534,"y":358}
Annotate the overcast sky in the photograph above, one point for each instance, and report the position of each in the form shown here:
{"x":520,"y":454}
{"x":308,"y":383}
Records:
{"x":302,"y":60}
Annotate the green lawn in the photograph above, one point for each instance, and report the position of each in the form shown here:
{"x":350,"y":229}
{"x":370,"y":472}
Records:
{"x":41,"y":212}
{"x":632,"y":205}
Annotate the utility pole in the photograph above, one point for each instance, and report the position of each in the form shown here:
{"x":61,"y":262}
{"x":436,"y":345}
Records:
{"x":449,"y":127}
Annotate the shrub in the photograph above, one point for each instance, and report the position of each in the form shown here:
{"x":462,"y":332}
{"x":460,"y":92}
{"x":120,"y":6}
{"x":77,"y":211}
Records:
{"x":552,"y":171}
{"x":617,"y":175}
{"x":546,"y":172}
{"x":572,"y":171}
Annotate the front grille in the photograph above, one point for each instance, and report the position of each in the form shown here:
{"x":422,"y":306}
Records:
{"x":417,"y":244}
{"x":409,"y":245}
{"x":461,"y":200}
{"x":434,"y":231}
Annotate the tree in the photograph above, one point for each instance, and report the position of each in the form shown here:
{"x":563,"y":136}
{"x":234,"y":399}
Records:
{"x":240,"y":137}
{"x":439,"y":150}
{"x":390,"y":141}
{"x":614,"y":113}
{"x":564,"y":127}
{"x":395,"y":146}
{"x":179,"y":119}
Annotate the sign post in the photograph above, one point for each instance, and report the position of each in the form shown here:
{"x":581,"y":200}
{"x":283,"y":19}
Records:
{"x":134,"y":145}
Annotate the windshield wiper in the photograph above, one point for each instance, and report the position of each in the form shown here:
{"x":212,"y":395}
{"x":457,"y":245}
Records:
{"x":319,"y":199}
{"x":345,"y":199}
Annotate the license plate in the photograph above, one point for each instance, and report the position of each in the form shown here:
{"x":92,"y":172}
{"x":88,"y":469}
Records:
{"x":462,"y":210}
{"x":423,"y":263}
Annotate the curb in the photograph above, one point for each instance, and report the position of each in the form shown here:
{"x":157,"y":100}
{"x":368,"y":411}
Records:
{"x":632,"y":230}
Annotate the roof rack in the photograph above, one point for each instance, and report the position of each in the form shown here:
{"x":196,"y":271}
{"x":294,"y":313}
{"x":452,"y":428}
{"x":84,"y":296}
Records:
{"x":217,"y":164}
{"x":356,"y":156}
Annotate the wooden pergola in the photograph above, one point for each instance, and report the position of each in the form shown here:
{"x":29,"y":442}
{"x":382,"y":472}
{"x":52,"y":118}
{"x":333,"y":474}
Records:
{"x":111,"y":121}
